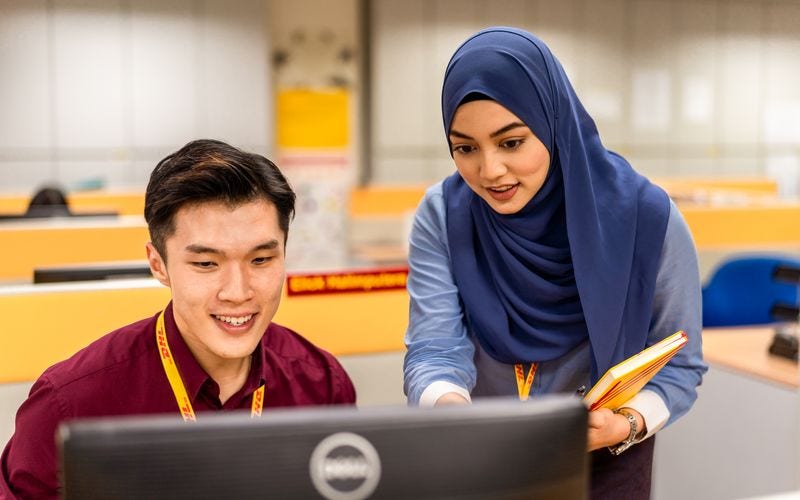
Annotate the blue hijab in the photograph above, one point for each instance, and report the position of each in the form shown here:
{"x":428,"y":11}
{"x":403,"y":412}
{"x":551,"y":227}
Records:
{"x":581,"y":258}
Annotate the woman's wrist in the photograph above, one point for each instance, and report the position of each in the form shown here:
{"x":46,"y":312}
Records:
{"x":451,"y":398}
{"x":631,"y":425}
{"x":641,"y":425}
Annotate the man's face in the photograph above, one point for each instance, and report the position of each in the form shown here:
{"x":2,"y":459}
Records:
{"x":225,"y":267}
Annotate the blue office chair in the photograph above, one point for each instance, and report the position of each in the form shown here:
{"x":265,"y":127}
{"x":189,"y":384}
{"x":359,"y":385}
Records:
{"x":745,"y":291}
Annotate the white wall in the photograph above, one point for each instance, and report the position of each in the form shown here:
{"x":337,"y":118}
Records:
{"x":312,"y":34}
{"x":102,"y":89}
{"x":680,"y":87}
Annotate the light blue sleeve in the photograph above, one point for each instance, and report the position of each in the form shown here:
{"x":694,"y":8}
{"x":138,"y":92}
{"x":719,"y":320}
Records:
{"x":437,"y":341}
{"x":678,"y":306}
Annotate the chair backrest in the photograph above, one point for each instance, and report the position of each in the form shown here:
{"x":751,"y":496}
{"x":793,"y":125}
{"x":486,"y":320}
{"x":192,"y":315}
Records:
{"x":742,"y":291}
{"x":49,"y":201}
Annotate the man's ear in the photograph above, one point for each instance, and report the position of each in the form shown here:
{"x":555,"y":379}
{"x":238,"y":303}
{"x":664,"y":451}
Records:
{"x":157,"y":265}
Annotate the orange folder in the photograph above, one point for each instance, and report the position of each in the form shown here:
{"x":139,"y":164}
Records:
{"x":622,"y":381}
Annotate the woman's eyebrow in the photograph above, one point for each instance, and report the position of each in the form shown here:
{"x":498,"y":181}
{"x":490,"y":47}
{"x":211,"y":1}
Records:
{"x":503,"y":130}
{"x":460,"y":135}
{"x":500,"y":131}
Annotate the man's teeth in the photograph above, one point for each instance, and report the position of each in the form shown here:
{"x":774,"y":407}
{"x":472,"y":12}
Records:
{"x":233,"y":320}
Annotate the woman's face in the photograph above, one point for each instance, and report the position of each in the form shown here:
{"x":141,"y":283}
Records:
{"x":497,"y":155}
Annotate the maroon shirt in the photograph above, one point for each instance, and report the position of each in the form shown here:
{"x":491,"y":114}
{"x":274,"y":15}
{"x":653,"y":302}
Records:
{"x":121,"y":374}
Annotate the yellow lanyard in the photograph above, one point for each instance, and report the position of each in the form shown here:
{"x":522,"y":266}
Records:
{"x":175,"y":381}
{"x":524,"y":383}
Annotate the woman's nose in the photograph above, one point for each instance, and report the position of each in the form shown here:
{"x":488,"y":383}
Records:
{"x":493,"y":166}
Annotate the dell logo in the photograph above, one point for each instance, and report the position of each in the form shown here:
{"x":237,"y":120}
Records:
{"x":353,"y":467}
{"x":345,"y":466}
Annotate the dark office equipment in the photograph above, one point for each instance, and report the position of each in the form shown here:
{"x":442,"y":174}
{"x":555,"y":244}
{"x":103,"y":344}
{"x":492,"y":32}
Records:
{"x":784,"y":344}
{"x":39,"y":211}
{"x":784,"y":312}
{"x":92,"y":272}
{"x":500,"y":449}
{"x":787,"y":273}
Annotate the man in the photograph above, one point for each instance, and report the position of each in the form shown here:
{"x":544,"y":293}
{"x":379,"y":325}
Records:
{"x":218,"y":219}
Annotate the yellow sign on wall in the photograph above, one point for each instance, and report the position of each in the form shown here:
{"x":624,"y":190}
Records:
{"x":313,"y":118}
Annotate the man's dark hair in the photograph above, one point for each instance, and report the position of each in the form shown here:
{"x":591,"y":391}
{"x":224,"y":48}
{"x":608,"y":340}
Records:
{"x":212,"y":171}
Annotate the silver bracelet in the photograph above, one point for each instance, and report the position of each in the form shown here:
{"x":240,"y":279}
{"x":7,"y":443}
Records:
{"x":631,"y":439}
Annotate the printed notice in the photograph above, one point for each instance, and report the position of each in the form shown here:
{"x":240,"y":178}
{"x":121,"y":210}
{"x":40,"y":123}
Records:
{"x":347,"y":282}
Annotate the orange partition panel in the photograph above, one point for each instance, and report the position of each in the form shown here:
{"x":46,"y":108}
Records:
{"x":385,"y":200}
{"x":44,"y":324}
{"x":28,"y":245}
{"x":748,"y":225}
{"x":123,"y":202}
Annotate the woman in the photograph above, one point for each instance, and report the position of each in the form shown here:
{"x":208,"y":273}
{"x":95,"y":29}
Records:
{"x":546,"y":259}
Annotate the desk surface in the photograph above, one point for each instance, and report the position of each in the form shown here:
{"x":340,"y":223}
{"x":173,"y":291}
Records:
{"x":746,"y":350}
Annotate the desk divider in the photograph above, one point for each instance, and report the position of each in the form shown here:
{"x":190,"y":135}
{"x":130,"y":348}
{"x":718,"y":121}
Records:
{"x":43,"y":324}
{"x":39,"y":243}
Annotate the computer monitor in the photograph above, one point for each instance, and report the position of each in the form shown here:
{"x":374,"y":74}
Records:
{"x":92,"y":271}
{"x":493,"y":449}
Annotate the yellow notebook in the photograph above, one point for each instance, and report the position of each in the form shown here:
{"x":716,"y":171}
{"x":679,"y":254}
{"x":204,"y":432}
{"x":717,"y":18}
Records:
{"x":622,"y":381}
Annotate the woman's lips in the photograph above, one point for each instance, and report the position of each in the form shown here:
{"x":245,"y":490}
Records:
{"x":504,"y":194}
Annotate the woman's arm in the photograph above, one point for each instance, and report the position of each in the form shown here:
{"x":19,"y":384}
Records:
{"x":439,"y":360}
{"x":677,"y":305}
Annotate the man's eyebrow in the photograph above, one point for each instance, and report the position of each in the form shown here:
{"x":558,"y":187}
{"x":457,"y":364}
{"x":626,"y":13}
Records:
{"x":269,"y":245}
{"x":500,"y":131}
{"x":198,"y":248}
